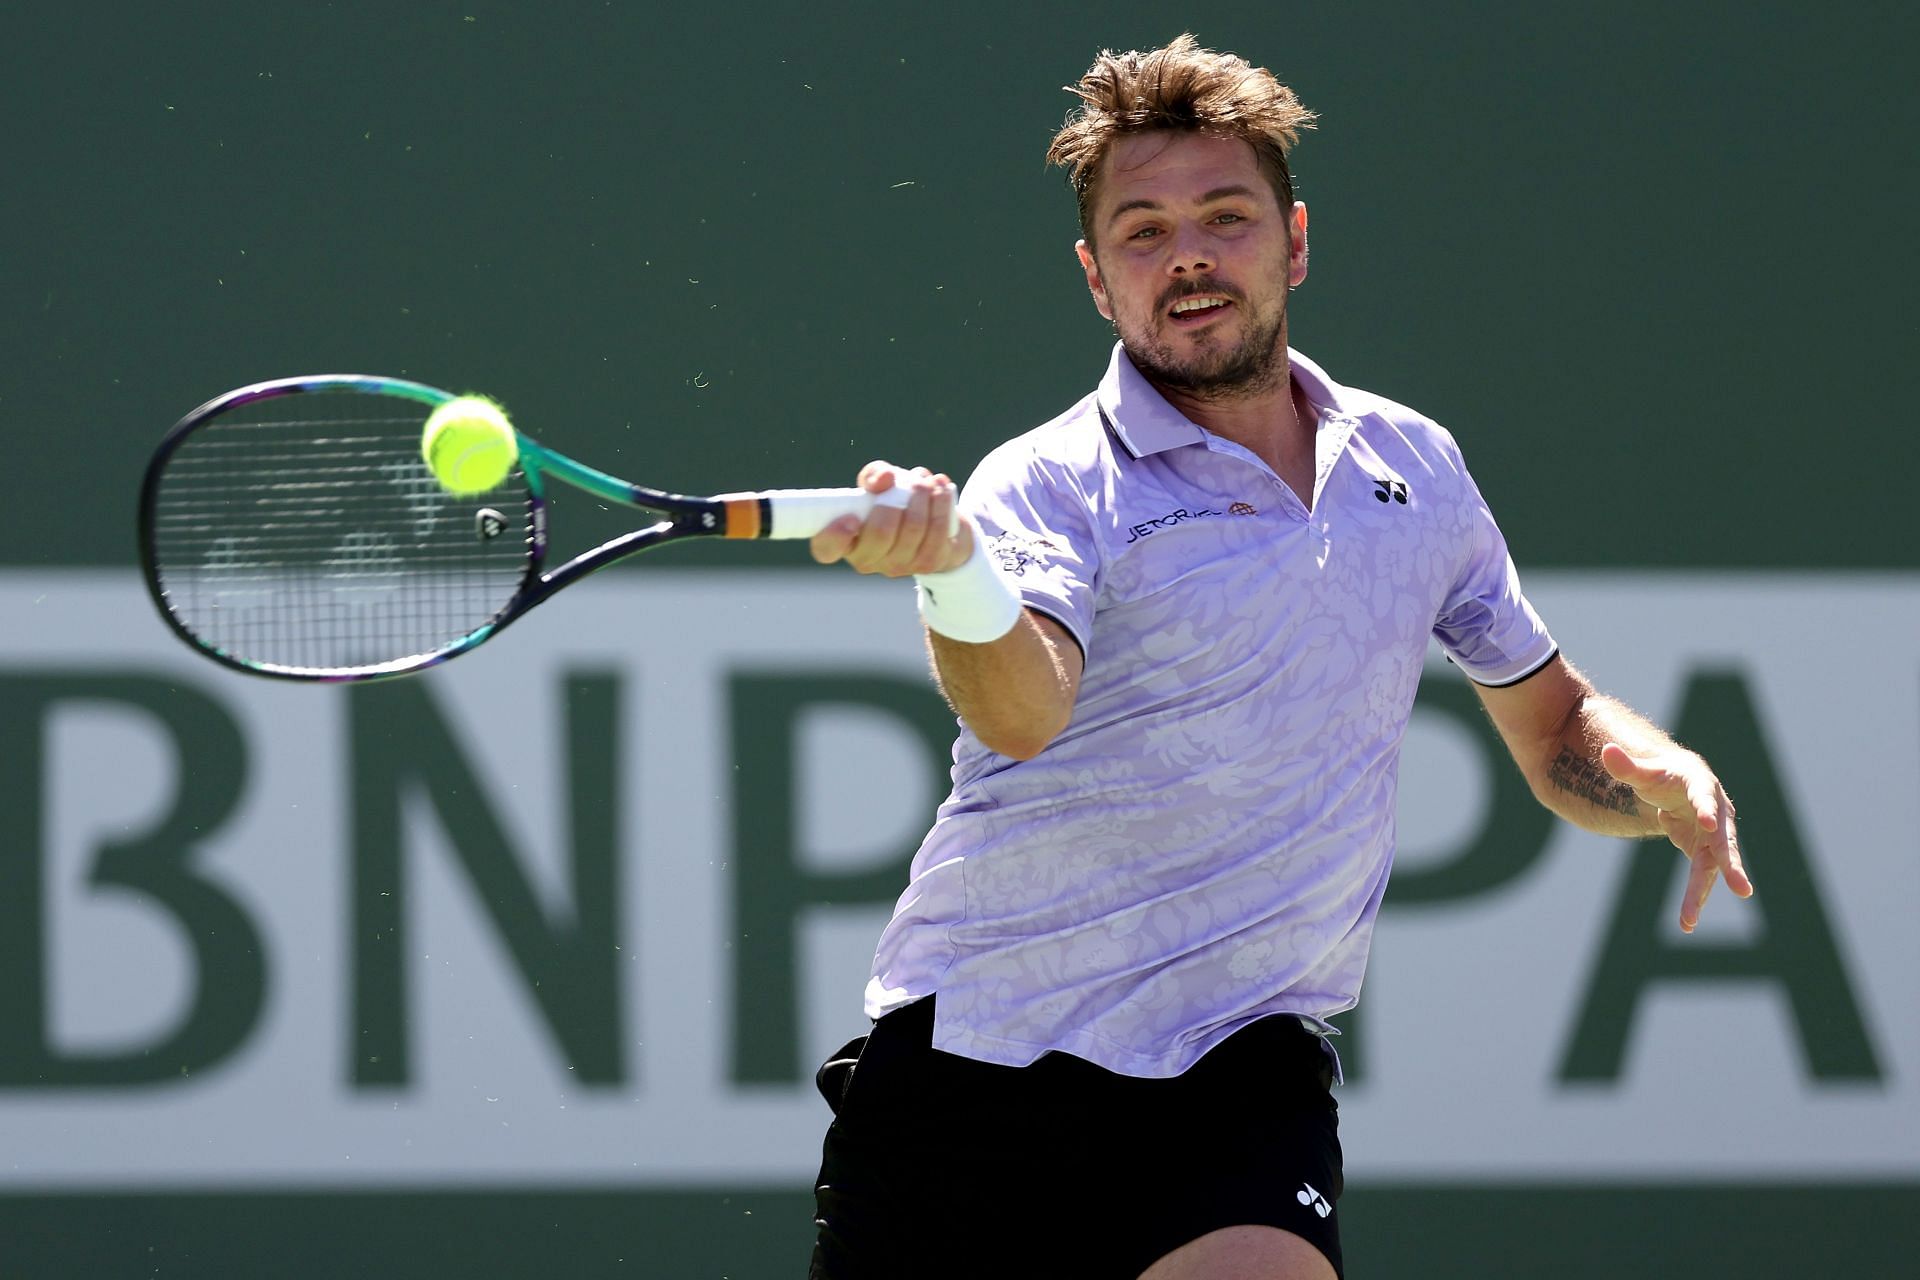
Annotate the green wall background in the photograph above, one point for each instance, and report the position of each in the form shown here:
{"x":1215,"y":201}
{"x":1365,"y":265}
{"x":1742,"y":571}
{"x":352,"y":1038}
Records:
{"x":1650,"y":262}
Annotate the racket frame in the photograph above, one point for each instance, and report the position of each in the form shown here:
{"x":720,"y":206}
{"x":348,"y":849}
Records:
{"x":733,"y":516}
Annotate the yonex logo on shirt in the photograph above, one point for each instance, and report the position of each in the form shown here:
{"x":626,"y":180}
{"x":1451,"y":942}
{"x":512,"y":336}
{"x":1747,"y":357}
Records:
{"x":1397,"y":489}
{"x":1307,"y":1195}
{"x":1177,"y":516}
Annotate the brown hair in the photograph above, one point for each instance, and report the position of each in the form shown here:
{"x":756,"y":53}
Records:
{"x":1179,"y":87}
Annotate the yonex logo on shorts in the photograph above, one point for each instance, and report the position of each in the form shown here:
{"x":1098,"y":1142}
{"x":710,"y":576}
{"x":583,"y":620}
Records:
{"x":1307,"y":1195}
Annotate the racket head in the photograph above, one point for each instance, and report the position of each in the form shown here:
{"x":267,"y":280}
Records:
{"x":291,"y":529}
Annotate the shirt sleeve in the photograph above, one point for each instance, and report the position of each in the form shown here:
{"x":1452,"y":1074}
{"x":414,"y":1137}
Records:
{"x":1038,"y":529}
{"x":1486,"y":625}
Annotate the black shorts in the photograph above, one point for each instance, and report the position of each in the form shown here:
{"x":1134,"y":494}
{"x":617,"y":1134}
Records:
{"x":937,"y":1165}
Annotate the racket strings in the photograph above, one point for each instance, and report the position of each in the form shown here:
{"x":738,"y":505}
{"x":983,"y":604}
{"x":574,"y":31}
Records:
{"x":306,"y":533}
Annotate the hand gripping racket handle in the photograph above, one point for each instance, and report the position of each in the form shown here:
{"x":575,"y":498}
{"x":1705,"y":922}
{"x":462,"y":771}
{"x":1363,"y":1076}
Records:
{"x":801,"y":513}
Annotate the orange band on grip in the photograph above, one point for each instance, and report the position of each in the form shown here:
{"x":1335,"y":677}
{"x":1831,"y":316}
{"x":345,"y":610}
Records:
{"x":743,"y":518}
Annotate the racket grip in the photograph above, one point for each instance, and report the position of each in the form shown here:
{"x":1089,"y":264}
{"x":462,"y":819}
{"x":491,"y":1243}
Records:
{"x":801,"y":513}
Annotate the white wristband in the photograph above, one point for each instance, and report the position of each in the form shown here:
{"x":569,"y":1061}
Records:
{"x":974,"y":603}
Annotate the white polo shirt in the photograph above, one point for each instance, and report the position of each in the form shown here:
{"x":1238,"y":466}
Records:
{"x":1208,"y":839}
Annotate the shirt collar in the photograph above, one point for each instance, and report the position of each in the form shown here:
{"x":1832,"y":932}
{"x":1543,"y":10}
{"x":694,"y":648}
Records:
{"x":1145,"y":423}
{"x":1338,"y":401}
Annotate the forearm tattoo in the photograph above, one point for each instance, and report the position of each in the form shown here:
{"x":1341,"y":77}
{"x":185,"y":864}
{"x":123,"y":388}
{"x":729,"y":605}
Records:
{"x":1579,"y":776}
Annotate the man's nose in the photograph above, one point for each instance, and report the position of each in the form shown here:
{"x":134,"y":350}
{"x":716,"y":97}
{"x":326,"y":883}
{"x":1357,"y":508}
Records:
{"x":1191,"y":254}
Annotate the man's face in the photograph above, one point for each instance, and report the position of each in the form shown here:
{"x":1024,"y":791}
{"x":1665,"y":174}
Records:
{"x":1194,"y":263}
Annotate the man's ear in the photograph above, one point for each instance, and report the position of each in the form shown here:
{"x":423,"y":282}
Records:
{"x":1095,"y":285}
{"x":1297,"y":231}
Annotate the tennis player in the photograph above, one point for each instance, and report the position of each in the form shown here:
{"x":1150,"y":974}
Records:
{"x":1182,"y":625}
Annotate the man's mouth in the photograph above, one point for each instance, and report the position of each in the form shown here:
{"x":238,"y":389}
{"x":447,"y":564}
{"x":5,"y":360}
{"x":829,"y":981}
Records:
{"x":1200,"y":309}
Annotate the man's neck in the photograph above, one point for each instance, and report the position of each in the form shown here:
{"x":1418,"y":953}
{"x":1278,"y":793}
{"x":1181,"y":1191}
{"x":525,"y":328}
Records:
{"x":1276,"y":426}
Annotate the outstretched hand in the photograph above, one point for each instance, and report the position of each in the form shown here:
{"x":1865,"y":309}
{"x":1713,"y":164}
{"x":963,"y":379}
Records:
{"x":1694,"y":812}
{"x":922,"y":537}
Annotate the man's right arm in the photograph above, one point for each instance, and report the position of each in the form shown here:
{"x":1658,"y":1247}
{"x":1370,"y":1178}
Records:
{"x":1015,"y":692}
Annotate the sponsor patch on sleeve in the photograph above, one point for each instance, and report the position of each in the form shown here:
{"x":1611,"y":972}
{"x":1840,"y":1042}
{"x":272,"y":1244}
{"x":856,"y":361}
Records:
{"x":1015,"y":551}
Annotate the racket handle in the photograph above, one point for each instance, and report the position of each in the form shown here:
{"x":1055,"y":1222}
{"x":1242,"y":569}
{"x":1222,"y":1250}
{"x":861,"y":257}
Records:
{"x":801,"y":513}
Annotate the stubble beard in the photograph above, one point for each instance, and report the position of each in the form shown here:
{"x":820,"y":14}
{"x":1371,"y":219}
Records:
{"x":1253,"y":366}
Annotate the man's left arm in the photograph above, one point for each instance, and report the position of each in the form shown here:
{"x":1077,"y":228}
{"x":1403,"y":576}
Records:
{"x":1601,"y":765}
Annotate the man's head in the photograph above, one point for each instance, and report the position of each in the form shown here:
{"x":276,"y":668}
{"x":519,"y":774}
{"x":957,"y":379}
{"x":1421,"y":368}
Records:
{"x":1179,"y":159}
{"x":1181,"y":88}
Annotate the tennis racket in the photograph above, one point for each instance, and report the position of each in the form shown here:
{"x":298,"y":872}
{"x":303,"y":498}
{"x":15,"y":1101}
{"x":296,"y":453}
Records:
{"x":291,"y":529}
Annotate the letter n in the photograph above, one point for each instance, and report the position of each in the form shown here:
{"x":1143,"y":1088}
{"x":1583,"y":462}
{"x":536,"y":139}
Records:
{"x":402,"y":745}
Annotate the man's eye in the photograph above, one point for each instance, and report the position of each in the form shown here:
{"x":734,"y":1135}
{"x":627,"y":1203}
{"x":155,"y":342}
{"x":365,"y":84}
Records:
{"x":1144,"y":232}
{"x":1229,"y":217}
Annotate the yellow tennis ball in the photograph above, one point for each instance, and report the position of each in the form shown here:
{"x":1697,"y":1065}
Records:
{"x":469,"y":445}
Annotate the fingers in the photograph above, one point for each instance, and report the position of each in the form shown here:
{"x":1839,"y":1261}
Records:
{"x":1696,"y":815}
{"x":1712,"y":846}
{"x":1693,"y":842}
{"x":1717,"y":855}
{"x":924,"y":536}
{"x":1653,"y":785}
{"x":1699,"y":885}
{"x":1704,"y":796}
{"x":1653,"y":782}
{"x":1619,"y":763}
{"x":880,"y":475}
{"x":1732,"y":865}
{"x":833,"y":542}
{"x":1670,"y":783}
